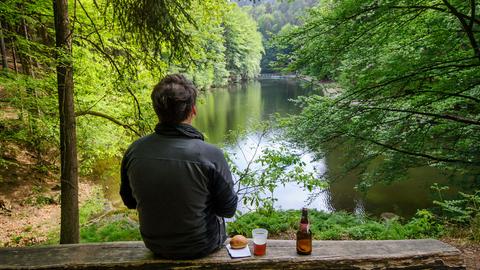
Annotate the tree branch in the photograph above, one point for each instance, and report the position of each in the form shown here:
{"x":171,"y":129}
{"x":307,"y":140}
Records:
{"x":414,"y":153}
{"x":466,"y":27}
{"x":472,"y":9}
{"x":421,"y":70}
{"x":110,"y":118}
{"x":451,"y":94}
{"x":101,"y":49}
{"x":455,"y":118}
{"x":471,"y":18}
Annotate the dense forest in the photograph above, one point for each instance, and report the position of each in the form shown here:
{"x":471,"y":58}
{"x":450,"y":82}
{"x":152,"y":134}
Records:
{"x":410,"y":94}
{"x":273,"y":18}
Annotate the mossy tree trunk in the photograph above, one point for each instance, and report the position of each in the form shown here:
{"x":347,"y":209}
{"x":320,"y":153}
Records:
{"x":3,"y":49}
{"x":69,"y":228}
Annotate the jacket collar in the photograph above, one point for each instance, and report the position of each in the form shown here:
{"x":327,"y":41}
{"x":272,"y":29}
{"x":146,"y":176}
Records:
{"x":178,"y":130}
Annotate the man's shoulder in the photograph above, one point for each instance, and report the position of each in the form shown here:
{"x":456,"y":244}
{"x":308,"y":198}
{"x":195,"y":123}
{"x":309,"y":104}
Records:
{"x":195,"y":148}
{"x":140,"y":142}
{"x":205,"y":146}
{"x":212,"y":148}
{"x":144,"y":139}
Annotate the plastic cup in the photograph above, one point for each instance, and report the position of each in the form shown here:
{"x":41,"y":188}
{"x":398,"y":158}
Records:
{"x":259,"y":241}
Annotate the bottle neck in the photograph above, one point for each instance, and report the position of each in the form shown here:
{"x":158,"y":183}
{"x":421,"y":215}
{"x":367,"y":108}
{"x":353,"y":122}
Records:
{"x":304,"y":224}
{"x":304,"y":219}
{"x":304,"y":216}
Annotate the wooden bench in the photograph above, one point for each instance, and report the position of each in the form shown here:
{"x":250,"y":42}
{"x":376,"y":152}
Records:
{"x":403,"y":254}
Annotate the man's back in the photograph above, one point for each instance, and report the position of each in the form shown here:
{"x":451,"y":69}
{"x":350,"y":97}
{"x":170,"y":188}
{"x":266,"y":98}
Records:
{"x":181,"y":187}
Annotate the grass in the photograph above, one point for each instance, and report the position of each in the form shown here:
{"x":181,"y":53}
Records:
{"x":114,"y":226}
{"x":122,"y":226}
{"x":283,"y":224}
{"x":118,"y":230}
{"x":94,"y":205}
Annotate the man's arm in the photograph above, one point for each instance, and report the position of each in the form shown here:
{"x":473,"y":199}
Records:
{"x":224,"y":197}
{"x":125,"y":189}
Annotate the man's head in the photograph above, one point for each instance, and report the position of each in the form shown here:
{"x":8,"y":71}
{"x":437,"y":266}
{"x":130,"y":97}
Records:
{"x":174,"y":99}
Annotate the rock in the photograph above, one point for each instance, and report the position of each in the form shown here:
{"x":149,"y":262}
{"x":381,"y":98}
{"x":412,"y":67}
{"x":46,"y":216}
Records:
{"x":5,"y":206}
{"x":389,"y":215}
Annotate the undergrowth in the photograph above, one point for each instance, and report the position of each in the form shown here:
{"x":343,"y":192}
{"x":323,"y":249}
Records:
{"x":338,"y":226}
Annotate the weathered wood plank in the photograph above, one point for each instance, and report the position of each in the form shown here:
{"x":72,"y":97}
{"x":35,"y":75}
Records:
{"x":403,"y":254}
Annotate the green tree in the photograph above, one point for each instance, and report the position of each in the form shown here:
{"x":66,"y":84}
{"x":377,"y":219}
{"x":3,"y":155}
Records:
{"x":69,"y":225}
{"x":272,"y":17}
{"x":3,"y":49}
{"x":408,"y":71}
{"x":243,"y":45}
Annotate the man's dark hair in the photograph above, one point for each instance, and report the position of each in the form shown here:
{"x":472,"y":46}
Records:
{"x":173,"y":98}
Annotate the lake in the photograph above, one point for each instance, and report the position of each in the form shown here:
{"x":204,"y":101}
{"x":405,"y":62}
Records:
{"x":240,"y":106}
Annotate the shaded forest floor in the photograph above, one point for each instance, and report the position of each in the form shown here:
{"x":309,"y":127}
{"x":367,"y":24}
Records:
{"x":470,"y":251}
{"x":29,"y":199}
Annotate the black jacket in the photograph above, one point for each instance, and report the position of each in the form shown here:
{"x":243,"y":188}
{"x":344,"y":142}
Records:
{"x":182,"y":188}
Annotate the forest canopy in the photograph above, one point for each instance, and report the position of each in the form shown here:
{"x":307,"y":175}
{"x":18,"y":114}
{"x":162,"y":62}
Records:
{"x":275,"y":17}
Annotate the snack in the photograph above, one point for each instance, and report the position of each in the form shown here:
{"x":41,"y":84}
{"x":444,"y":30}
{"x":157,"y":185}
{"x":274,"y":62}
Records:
{"x":238,"y":241}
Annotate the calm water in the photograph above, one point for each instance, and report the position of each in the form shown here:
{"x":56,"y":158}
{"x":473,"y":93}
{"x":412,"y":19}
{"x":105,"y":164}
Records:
{"x":240,"y":106}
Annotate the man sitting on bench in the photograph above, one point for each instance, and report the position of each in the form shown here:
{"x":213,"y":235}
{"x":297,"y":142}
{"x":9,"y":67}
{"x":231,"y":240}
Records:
{"x":181,"y":186}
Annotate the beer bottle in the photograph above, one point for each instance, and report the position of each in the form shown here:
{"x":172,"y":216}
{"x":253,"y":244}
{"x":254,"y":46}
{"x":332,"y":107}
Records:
{"x":304,"y":235}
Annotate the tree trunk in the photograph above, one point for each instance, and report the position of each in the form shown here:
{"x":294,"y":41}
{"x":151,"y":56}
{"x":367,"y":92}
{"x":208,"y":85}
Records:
{"x":27,"y":63}
{"x":69,"y":227}
{"x":3,"y":49}
{"x":14,"y":55}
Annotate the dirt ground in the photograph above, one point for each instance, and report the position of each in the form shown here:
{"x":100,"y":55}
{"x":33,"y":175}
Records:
{"x":470,"y":251}
{"x":29,"y":200}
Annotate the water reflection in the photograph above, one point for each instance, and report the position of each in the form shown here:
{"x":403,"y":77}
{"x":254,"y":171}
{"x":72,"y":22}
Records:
{"x":236,"y":107}
{"x":290,"y":195}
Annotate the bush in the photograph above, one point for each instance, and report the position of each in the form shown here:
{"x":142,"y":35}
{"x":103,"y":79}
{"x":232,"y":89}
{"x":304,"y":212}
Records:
{"x":337,"y":226}
{"x":108,"y":231}
{"x":276,"y":222}
{"x":475,"y":226}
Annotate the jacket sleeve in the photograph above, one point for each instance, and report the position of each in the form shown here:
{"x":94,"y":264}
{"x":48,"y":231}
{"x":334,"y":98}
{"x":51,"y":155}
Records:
{"x":224,"y":197}
{"x":125,"y":189}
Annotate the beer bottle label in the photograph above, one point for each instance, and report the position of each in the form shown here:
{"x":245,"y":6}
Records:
{"x":305,"y":227}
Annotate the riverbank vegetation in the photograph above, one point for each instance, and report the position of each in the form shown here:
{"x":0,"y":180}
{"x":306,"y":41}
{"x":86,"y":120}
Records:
{"x":410,"y":94}
{"x":410,"y":90}
{"x":283,"y":224}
